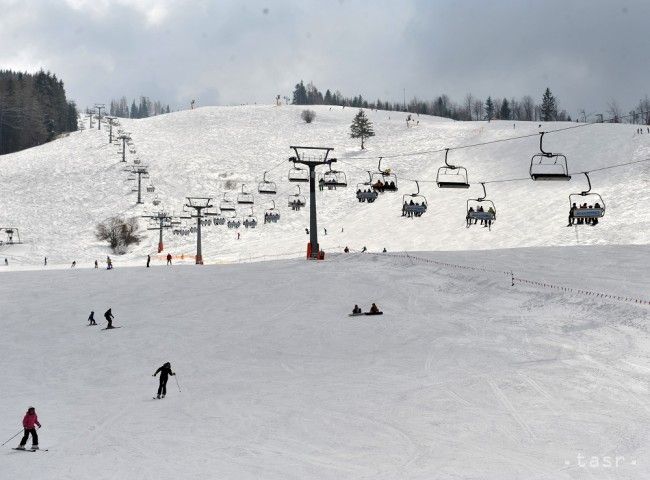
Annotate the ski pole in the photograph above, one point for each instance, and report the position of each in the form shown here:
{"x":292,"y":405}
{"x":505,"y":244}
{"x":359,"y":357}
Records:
{"x":19,"y":432}
{"x":176,"y":378}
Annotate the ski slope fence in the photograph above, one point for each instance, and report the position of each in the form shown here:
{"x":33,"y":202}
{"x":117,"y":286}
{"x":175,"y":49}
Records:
{"x":514,"y":278}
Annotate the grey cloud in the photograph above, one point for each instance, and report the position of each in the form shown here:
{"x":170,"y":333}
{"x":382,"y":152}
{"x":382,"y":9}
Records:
{"x":587,"y":51}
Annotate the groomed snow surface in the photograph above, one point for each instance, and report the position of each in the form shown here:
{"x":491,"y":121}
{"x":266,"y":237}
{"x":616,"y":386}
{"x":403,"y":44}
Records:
{"x":463,"y":377}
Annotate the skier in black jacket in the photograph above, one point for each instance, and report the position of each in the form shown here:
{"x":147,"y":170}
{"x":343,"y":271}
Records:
{"x":165,"y":371}
{"x":108,"y":315}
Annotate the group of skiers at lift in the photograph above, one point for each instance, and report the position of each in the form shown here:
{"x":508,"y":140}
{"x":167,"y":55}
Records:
{"x":413,"y":209}
{"x":485,"y":222}
{"x":593,"y":221}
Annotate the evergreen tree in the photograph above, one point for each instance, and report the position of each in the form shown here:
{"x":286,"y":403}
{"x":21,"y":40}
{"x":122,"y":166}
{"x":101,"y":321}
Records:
{"x":134,"y":110}
{"x":489,"y":109}
{"x":300,"y":94}
{"x":33,"y":110}
{"x":328,"y":97}
{"x":504,"y":112}
{"x":549,"y":106}
{"x":361,"y":127}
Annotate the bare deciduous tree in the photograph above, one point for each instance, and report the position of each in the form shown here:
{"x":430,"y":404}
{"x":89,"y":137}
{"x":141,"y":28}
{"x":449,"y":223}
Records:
{"x":119,"y":233}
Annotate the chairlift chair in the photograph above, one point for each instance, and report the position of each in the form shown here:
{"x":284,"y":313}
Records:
{"x":266,"y":187}
{"x":414,"y":204}
{"x":245,"y":198}
{"x":156,"y":200}
{"x":452,"y":176}
{"x":334,"y":178}
{"x":481,"y":209}
{"x":548,"y":166}
{"x":232,"y":221}
{"x":249,"y":221}
{"x":226,"y":205}
{"x":297,"y":174}
{"x":365,"y":192}
{"x":272,"y":215}
{"x":595,"y":204}
{"x":386,"y":177}
{"x":218,"y":219}
{"x":151,"y":188}
{"x":296,"y":201}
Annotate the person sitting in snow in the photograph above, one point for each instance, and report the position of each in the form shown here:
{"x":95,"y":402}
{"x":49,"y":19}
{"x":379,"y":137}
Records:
{"x":356,"y":309}
{"x":374,"y":309}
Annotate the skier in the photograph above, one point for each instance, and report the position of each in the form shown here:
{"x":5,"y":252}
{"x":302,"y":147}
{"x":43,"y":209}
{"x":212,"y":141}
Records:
{"x":96,"y":264}
{"x":169,"y":259}
{"x":384,"y":250}
{"x":148,"y":260}
{"x":45,"y":261}
{"x":91,"y":318}
{"x":363,"y":249}
{"x":346,"y":249}
{"x":29,"y":422}
{"x":74,"y":264}
{"x":6,"y":262}
{"x":165,"y":371}
{"x":108,"y":315}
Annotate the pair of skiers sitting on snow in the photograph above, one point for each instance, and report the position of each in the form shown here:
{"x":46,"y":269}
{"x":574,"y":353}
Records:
{"x":374,"y":309}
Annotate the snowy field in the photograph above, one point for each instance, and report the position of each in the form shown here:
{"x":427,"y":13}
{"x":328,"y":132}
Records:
{"x":463,"y":377}
{"x":57,"y":193}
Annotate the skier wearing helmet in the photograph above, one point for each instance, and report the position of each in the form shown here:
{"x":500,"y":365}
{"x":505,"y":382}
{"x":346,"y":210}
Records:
{"x":165,"y":371}
{"x":30,"y":421}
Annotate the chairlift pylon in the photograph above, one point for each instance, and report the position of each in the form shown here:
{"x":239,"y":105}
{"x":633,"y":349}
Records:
{"x":588,"y":212}
{"x":452,"y":176}
{"x":548,"y":166}
{"x":414,"y":204}
{"x":476,"y":210}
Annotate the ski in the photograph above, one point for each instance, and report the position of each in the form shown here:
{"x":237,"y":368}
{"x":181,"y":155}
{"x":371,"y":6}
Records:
{"x":30,"y":450}
{"x":112,"y":328}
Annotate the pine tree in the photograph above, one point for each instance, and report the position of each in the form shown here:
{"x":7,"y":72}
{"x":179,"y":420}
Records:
{"x":549,"y":106}
{"x":134,"y":110}
{"x":489,"y":109}
{"x":504,"y":112}
{"x":361,"y":127}
{"x":328,"y":97}
{"x":300,"y":94}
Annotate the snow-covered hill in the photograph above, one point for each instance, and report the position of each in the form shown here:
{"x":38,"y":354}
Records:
{"x":57,"y":193}
{"x":463,"y":377}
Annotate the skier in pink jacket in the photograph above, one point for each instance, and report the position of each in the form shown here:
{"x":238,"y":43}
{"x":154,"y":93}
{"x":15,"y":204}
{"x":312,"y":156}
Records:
{"x":30,"y":421}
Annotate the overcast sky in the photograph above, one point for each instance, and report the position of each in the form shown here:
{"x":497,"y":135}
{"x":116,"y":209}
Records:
{"x":236,"y":51}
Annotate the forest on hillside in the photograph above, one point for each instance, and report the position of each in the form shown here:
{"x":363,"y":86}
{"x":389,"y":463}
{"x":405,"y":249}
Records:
{"x":33,"y":110}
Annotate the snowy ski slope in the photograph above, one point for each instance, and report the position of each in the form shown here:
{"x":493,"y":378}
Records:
{"x":463,"y":377}
{"x":56,"y":193}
